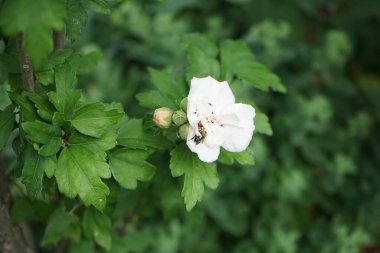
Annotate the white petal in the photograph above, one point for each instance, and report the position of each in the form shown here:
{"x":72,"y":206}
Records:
{"x":210,"y":90}
{"x":237,"y":127}
{"x":205,"y":152}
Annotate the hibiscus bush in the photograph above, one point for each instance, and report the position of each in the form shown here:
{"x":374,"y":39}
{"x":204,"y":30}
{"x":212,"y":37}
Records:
{"x":189,"y":126}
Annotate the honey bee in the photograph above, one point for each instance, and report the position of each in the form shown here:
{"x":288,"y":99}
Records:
{"x":203,"y":134}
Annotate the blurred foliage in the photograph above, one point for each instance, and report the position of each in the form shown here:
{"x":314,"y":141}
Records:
{"x":315,"y":185}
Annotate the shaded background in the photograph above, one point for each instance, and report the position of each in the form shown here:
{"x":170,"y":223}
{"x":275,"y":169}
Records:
{"x":316,"y":183}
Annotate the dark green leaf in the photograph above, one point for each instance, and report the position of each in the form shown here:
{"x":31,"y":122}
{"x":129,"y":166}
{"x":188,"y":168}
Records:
{"x":200,"y":64}
{"x":28,"y":111}
{"x":132,"y":135}
{"x":97,"y":226}
{"x":76,"y":19}
{"x":154,"y":99}
{"x":262,"y":124}
{"x":197,"y":173}
{"x":44,"y":108}
{"x":202,"y":42}
{"x":167,"y":86}
{"x":7,"y":120}
{"x":61,"y":225}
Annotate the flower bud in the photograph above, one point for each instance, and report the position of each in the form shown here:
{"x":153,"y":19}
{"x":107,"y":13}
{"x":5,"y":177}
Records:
{"x":183,"y":131}
{"x":183,"y":104}
{"x":179,"y":118}
{"x":162,"y":117}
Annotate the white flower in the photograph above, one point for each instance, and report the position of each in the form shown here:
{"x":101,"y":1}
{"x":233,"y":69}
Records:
{"x":215,"y":120}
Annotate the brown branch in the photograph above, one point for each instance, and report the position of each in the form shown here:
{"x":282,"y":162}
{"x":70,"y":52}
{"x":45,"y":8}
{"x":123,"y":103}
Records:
{"x":13,"y":238}
{"x":25,"y":65}
{"x":59,"y":40}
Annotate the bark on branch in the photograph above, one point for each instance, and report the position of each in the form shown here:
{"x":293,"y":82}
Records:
{"x":25,"y":65}
{"x":59,"y":40}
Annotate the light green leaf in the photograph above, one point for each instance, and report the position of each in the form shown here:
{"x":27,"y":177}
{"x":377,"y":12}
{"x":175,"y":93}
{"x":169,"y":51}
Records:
{"x":132,"y":135}
{"x":237,"y":59}
{"x":33,"y":172}
{"x":197,"y":173}
{"x":262,"y":124}
{"x":130,"y":165}
{"x":200,"y":64}
{"x":76,"y":19}
{"x":36,"y":20}
{"x":61,"y":225}
{"x":64,"y":103}
{"x":45,"y":77}
{"x":97,"y":226}
{"x":79,"y":172}
{"x":7,"y":120}
{"x":87,"y":62}
{"x":94,"y":120}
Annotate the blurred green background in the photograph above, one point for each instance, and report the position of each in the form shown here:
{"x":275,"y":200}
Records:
{"x":316,"y":183}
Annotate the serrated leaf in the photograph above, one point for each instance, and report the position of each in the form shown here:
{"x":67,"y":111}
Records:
{"x":200,"y":64}
{"x":79,"y":172}
{"x":262,"y":124}
{"x":237,"y":59}
{"x":76,"y":19}
{"x":44,"y":108}
{"x":7,"y":120}
{"x":59,"y":57}
{"x":101,"y":6}
{"x":97,"y":226}
{"x":94,"y":120}
{"x":197,"y":174}
{"x":36,"y":20}
{"x":132,"y":135}
{"x":130,"y":165}
{"x":61,"y":225}
{"x":45,"y":77}
{"x":33,"y":172}
{"x":65,"y":103}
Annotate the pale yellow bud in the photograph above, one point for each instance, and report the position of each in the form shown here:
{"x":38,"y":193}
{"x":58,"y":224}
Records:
{"x":162,"y":117}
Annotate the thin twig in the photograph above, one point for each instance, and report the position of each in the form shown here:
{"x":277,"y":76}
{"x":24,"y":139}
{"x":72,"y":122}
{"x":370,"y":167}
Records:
{"x":59,"y":39}
{"x":25,"y":65}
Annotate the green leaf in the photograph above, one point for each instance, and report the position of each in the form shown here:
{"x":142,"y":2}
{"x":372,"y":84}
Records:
{"x":101,"y":6}
{"x":94,"y":120}
{"x":167,"y":86}
{"x":130,"y":165}
{"x":28,"y":112}
{"x":202,"y":42}
{"x":43,"y":133}
{"x":25,"y":209}
{"x":7,"y":121}
{"x":61,"y":225}
{"x":44,"y":108}
{"x":87,"y":62}
{"x":33,"y":172}
{"x":79,"y":172}
{"x":76,"y":19}
{"x":65,"y":97}
{"x":262,"y":124}
{"x":81,"y":247}
{"x":106,"y":142}
{"x":197,"y":173}
{"x":154,"y":99}
{"x":245,"y":158}
{"x":97,"y":226}
{"x":200,"y":64}
{"x":36,"y":20}
{"x":132,"y":135}
{"x":237,"y":59}
{"x":45,"y":77}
